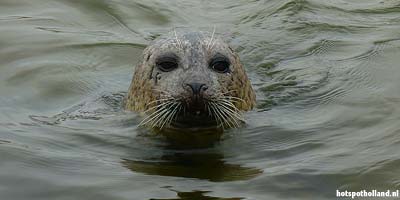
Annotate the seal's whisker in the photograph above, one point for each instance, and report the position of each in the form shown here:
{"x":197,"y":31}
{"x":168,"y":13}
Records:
{"x":230,"y":97}
{"x":224,"y":116}
{"x":223,"y":95}
{"x":176,"y":111}
{"x":149,"y":118}
{"x":231,"y":101}
{"x":159,"y":118}
{"x":230,"y":105}
{"x":232,"y":112}
{"x":170,"y":114}
{"x":152,"y":116}
{"x":174,"y":114}
{"x":217,"y":116}
{"x":230,"y":109}
{"x":210,"y":109}
{"x":159,"y":121}
{"x":210,"y":113}
{"x":177,"y":40}
{"x":235,"y":98}
{"x":236,"y":112}
{"x":212,"y":38}
{"x":218,"y":110}
{"x":227,"y":100}
{"x":213,"y":43}
{"x":229,"y":117}
{"x":236,"y":120}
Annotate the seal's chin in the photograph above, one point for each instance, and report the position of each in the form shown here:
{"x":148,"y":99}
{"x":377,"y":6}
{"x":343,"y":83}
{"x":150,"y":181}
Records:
{"x":194,"y":121}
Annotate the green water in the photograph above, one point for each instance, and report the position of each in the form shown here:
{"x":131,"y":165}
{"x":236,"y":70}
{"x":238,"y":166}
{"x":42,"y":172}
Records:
{"x":327,"y":80}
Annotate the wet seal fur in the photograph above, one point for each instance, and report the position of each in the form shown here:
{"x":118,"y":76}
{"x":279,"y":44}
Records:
{"x":190,"y":80}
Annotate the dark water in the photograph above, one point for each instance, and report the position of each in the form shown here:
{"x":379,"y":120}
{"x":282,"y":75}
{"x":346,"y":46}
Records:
{"x":327,"y":79}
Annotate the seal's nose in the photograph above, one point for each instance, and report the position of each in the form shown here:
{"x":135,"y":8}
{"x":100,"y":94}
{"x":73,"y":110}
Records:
{"x":197,"y":88}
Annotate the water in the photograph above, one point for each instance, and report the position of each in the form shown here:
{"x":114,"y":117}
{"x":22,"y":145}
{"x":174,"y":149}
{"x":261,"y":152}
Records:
{"x":326,"y":74}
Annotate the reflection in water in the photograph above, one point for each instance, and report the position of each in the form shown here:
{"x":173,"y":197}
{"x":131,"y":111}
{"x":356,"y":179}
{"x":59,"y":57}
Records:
{"x":188,"y":138}
{"x":205,"y":166}
{"x":197,"y":195}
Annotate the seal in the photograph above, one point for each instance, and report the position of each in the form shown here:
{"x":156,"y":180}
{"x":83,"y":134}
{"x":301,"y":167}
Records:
{"x":190,"y":80}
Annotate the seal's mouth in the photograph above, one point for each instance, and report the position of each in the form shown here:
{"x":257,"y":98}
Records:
{"x":195,"y":114}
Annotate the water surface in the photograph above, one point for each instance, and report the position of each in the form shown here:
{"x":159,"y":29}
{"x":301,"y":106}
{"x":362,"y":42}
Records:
{"x":326,"y":75}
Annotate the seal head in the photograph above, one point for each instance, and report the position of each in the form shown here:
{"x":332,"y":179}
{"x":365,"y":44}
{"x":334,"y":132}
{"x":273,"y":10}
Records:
{"x":190,"y":80}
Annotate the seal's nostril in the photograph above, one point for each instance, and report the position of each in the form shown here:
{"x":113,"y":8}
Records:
{"x":197,"y":87}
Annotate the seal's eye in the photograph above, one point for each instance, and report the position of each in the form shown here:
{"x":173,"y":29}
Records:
{"x":167,"y":64}
{"x":220,"y":65}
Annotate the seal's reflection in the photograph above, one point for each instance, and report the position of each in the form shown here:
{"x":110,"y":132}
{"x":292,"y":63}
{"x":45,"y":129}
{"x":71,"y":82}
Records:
{"x":197,"y":195}
{"x":206,"y":166}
